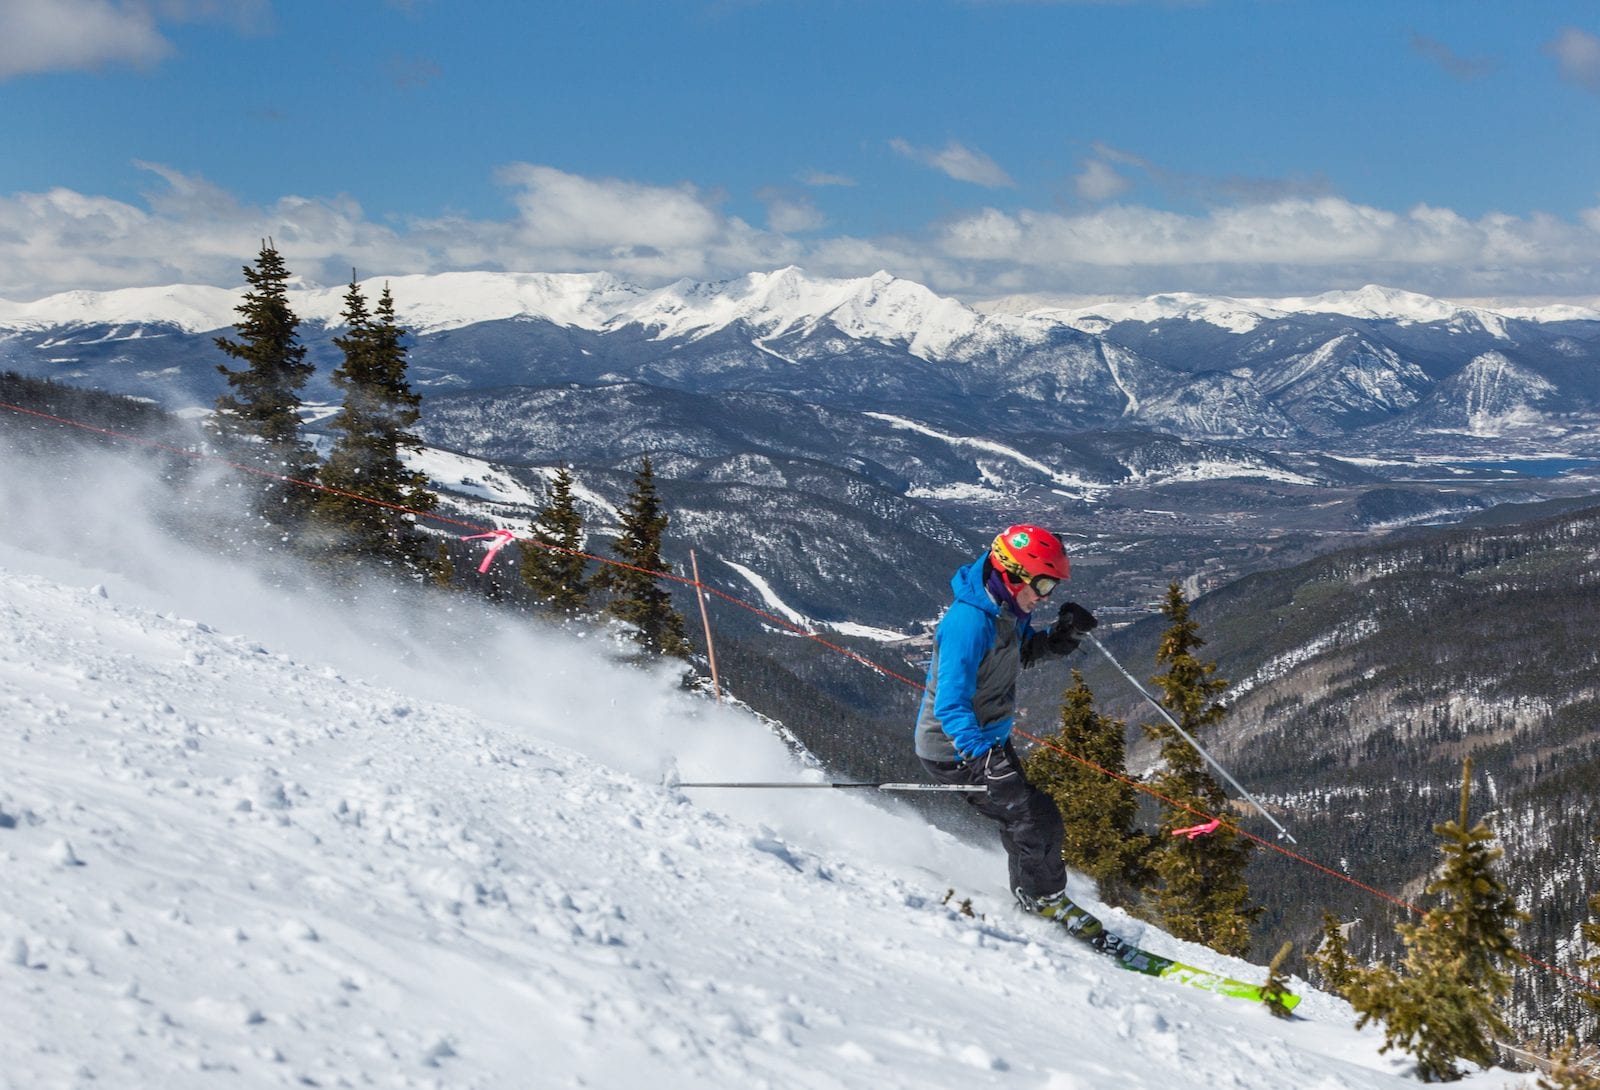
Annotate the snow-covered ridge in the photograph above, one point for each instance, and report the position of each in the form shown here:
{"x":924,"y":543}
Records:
{"x":877,"y":307}
{"x":425,"y":303}
{"x":1241,"y":315}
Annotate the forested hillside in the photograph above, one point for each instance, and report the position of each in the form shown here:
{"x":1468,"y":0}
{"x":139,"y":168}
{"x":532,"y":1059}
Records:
{"x":1361,"y":679}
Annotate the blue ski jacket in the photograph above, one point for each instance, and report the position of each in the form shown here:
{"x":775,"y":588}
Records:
{"x":978,"y":648}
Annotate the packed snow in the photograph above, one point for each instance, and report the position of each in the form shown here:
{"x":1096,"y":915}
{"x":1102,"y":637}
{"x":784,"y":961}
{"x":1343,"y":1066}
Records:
{"x":253,"y":837}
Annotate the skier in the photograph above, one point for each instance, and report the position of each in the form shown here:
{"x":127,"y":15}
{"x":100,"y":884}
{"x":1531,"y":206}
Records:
{"x":963,"y":732}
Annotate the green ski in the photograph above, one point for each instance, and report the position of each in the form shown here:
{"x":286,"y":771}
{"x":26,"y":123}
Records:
{"x":1087,"y":929}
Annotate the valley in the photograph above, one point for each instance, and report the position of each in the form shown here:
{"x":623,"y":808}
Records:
{"x":833,"y":450}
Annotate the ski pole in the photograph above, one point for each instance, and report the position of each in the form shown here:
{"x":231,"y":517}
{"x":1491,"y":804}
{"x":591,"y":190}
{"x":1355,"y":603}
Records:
{"x":1282,"y":832}
{"x":875,"y":786}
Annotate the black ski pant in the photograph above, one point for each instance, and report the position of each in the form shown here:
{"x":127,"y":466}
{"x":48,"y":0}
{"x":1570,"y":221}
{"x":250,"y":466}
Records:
{"x":1030,"y":825}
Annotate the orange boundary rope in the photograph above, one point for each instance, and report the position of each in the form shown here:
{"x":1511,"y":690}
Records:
{"x":1588,"y":985}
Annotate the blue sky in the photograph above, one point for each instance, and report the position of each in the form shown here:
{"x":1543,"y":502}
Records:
{"x":984,"y":147}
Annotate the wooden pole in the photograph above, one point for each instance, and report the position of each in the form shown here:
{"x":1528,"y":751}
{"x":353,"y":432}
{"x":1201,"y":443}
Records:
{"x":705,"y":620}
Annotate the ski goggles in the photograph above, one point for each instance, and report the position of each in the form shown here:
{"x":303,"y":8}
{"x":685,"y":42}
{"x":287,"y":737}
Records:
{"x":1017,"y":575}
{"x":1042,"y":585}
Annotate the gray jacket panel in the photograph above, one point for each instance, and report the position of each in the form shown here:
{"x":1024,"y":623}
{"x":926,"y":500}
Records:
{"x":994,"y":700}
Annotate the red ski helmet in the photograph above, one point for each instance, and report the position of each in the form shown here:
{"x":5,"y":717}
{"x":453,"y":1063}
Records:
{"x":1030,"y":556}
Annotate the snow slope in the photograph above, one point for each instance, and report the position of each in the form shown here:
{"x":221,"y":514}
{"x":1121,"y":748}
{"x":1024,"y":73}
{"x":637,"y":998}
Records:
{"x":252,"y":838}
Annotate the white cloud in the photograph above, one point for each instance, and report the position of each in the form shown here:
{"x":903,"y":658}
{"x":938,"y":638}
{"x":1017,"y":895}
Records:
{"x":789,"y":215}
{"x":960,"y":162}
{"x":51,"y":35}
{"x":567,"y":222}
{"x":1321,"y":241}
{"x":1099,"y":181}
{"x":561,"y":209}
{"x":47,"y":35}
{"x":1111,"y":154}
{"x":1285,"y":232}
{"x":1578,"y":55}
{"x":187,"y":230}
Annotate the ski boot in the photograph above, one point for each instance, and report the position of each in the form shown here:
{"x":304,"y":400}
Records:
{"x":1060,"y":908}
{"x":1087,"y":928}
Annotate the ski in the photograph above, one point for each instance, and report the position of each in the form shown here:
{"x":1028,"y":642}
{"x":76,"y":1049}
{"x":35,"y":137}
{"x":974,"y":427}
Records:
{"x":1221,"y":985}
{"x":1087,"y":929}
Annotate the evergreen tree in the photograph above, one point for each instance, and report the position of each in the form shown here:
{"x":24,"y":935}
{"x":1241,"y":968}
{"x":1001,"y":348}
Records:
{"x":371,"y":430}
{"x":1591,"y":935}
{"x":262,"y":413}
{"x":1332,"y":958}
{"x":1276,"y":990}
{"x":1441,"y":1006}
{"x":1567,"y":1072}
{"x":443,"y":572}
{"x":1099,"y":811}
{"x":634,"y":585}
{"x":556,"y":573}
{"x":1202,"y":895}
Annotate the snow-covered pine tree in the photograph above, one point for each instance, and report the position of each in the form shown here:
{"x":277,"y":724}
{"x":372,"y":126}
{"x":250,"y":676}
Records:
{"x":635,"y":587}
{"x":371,"y":430}
{"x":1201,"y":892}
{"x":556,"y":573}
{"x":1099,"y":811}
{"x":1441,"y":1005}
{"x":260,"y":419}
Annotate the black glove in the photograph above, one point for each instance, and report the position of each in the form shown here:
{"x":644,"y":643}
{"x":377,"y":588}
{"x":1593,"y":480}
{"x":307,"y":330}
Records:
{"x":1075,"y":617}
{"x":1072,"y":624}
{"x":998,"y":771}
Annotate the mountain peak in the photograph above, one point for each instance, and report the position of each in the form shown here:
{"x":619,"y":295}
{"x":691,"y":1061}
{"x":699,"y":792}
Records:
{"x":1377,"y":301}
{"x":1370,"y":302}
{"x":881,"y":306}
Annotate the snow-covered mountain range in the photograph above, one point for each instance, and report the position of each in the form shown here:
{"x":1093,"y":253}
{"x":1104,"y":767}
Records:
{"x":880,"y":306}
{"x":1372,"y":302}
{"x":834,"y":411}
{"x":1333,"y":367}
